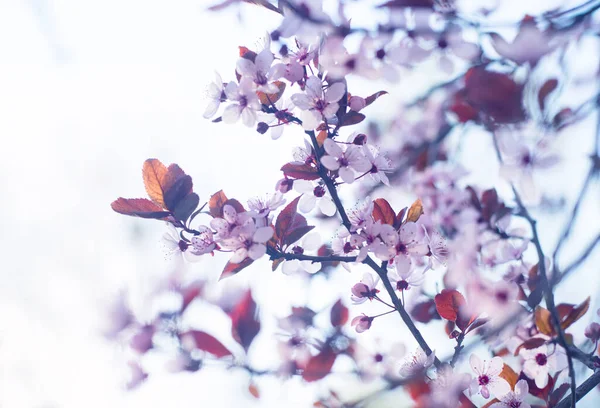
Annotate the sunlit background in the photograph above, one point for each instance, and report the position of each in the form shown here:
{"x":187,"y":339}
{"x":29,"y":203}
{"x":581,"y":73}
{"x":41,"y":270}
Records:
{"x":88,"y":91}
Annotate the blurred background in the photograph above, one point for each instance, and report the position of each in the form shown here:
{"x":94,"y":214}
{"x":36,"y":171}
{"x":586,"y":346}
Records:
{"x":88,"y":91}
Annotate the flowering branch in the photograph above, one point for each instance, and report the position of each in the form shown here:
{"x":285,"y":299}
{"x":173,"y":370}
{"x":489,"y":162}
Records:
{"x":545,"y":285}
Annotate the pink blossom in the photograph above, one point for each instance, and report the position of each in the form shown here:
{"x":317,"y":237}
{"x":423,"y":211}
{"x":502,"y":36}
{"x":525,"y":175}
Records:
{"x":202,"y":243}
{"x":488,"y":378}
{"x":365,"y":289}
{"x":360,"y":216}
{"x":416,"y":363}
{"x":521,"y":160}
{"x":516,"y":398}
{"x":216,"y":95}
{"x":407,"y":241}
{"x":248,"y":241}
{"x":379,"y":360}
{"x":380,"y":165}
{"x":318,"y":105}
{"x":361,"y":323}
{"x":310,"y":242}
{"x":259,"y":71}
{"x":173,"y":244}
{"x":246,"y":103}
{"x":230,"y":223}
{"x":592,"y":331}
{"x":345,"y":162}
{"x":314,"y":195}
{"x":540,"y":362}
{"x":530,"y":44}
{"x":447,"y":388}
{"x":404,"y":276}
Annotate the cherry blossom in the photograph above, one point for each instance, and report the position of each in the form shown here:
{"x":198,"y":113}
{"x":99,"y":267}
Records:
{"x":541,"y":361}
{"x":520,"y":162}
{"x":216,"y":95}
{"x":365,"y":289}
{"x":488,"y":380}
{"x":311,"y":243}
{"x":404,"y":276}
{"x":451,"y":43}
{"x":203,"y":243}
{"x":361,"y":323}
{"x":416,"y":363}
{"x":318,"y":105}
{"x":514,"y":399}
{"x":592,"y":331}
{"x":530,"y":44}
{"x":345,"y":162}
{"x":314,"y":195}
{"x":246,"y":102}
{"x":261,"y":207}
{"x":173,"y":244}
{"x":447,"y":388}
{"x":303,"y":25}
{"x":380,"y":360}
{"x":407,"y":241}
{"x":260,"y":71}
{"x":231,"y":222}
{"x":249,"y":241}
{"x":360,"y":216}
{"x":380,"y":165}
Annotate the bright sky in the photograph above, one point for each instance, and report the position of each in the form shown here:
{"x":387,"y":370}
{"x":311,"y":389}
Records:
{"x":88,"y":91}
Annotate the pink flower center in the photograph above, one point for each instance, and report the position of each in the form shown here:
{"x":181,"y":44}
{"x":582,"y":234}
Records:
{"x":401,"y":248}
{"x":319,"y":191}
{"x":378,"y":358}
{"x":541,"y":359}
{"x":514,"y":403}
{"x":484,"y":380}
{"x":348,"y":247}
{"x":402,"y":285}
{"x":320,"y":105}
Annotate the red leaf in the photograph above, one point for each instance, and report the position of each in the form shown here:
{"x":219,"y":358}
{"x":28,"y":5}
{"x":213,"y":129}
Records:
{"x":233,"y":268}
{"x":425,"y":312}
{"x":383,"y":211}
{"x":139,"y":207}
{"x":576,"y":313}
{"x":352,"y":118}
{"x":244,"y":323}
{"x":189,"y":293}
{"x":320,"y":365}
{"x":529,"y":344}
{"x":339,"y":314}
{"x":299,"y":170}
{"x":400,"y":217}
{"x":208,"y":343}
{"x":462,"y":109}
{"x":546,"y":89}
{"x":291,"y":226}
{"x":153,"y":173}
{"x":177,"y":192}
{"x":494,"y":94}
{"x":448,"y":304}
{"x":186,"y":207}
{"x":216,"y":203}
{"x":370,"y":99}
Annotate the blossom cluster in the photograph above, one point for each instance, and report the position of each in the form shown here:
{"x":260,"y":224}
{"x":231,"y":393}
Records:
{"x":464,"y":257}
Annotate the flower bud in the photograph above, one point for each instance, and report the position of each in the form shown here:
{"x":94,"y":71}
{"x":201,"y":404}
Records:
{"x":262,"y":128}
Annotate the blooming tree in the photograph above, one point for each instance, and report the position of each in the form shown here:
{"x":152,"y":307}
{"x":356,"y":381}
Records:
{"x":463,"y":259}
